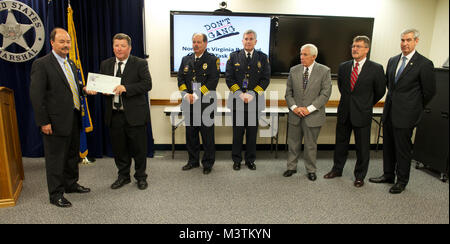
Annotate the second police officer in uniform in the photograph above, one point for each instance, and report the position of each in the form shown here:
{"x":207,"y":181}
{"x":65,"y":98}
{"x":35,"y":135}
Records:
{"x":197,"y":81}
{"x":247,"y":77}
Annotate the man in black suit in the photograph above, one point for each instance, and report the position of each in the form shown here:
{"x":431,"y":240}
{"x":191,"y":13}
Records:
{"x":411,"y":84}
{"x":362,"y":84}
{"x":197,"y":81}
{"x":55,"y":97}
{"x":127,"y":113}
{"x":247,"y":76}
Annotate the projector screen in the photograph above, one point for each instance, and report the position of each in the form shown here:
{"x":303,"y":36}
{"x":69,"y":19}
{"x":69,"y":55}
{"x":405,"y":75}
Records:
{"x":224,"y":33}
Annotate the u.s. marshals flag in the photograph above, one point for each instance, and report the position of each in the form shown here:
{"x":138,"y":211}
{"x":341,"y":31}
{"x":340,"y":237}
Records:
{"x":75,"y":56}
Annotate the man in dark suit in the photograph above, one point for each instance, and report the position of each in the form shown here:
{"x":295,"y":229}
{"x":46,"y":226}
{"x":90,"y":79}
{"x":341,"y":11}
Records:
{"x":197,"y":80}
{"x":55,"y":97}
{"x":411,"y":84}
{"x":127,"y":113}
{"x":362,"y":84}
{"x":247,"y":76}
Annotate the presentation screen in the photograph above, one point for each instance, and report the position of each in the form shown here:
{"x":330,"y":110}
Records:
{"x":224,"y":33}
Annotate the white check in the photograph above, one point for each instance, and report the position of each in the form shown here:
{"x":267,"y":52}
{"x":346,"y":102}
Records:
{"x":102,"y":83}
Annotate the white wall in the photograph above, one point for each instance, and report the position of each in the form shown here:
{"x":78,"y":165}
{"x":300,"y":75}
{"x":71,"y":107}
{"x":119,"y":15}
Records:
{"x":391,"y":17}
{"x":439,"y":48}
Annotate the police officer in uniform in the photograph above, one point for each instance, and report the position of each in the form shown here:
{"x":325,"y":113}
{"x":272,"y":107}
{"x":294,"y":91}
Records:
{"x":247,"y":76}
{"x":197,"y":81}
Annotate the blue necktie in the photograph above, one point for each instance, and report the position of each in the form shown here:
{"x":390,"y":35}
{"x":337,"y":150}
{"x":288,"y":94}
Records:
{"x":402,"y":67}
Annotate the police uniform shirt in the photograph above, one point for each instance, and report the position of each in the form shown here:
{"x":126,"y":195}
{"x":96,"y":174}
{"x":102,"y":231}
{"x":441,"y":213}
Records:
{"x":205,"y":72}
{"x":257,"y":72}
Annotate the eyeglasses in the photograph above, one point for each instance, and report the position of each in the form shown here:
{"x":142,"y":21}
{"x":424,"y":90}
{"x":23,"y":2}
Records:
{"x":357,"y":46}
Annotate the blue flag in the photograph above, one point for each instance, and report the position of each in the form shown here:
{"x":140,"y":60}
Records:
{"x":75,"y":56}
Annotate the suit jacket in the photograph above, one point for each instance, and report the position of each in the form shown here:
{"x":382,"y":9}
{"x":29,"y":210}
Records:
{"x":257,"y":72}
{"x":317,"y":93}
{"x":370,"y":87}
{"x":137,"y":81}
{"x":415,"y":87}
{"x":50,"y":94}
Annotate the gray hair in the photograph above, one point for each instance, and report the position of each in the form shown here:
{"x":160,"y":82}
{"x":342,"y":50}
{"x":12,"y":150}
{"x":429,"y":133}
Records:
{"x":205,"y":38}
{"x":122,"y":36}
{"x":365,"y":39}
{"x":250,"y":32}
{"x":415,"y":32}
{"x":312,"y":49}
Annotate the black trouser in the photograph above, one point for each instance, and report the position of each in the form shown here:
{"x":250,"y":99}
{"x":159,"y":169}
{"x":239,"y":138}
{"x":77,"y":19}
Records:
{"x":128,"y":142}
{"x":62,"y":155}
{"x":362,"y":143}
{"x":248,"y":126}
{"x":397,"y":151}
{"x":193,"y":145}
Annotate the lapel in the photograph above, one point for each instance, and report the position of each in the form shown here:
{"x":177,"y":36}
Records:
{"x":408,"y":66}
{"x":393,"y":70}
{"x":127,"y":68}
{"x":59,"y":70}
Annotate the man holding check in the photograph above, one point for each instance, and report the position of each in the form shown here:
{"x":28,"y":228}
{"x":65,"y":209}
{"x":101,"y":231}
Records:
{"x":127,"y":112}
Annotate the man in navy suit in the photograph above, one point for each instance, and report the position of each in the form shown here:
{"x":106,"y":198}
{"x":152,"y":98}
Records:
{"x":411,"y":85}
{"x":362,"y":84}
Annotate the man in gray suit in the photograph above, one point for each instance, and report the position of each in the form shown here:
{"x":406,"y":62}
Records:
{"x":308,"y":90}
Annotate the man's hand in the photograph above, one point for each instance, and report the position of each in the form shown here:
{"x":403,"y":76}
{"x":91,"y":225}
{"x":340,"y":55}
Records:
{"x":301,"y":111}
{"x":89,"y":92}
{"x":118,"y":90}
{"x":304,"y":111}
{"x":190,"y":98}
{"x":47,"y":129}
{"x":246,"y":97}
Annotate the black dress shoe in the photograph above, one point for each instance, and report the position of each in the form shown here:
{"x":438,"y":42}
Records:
{"x":332,"y":174}
{"x":289,"y":173}
{"x":119,"y":183}
{"x":61,"y":202}
{"x":142,"y":184}
{"x":206,"y":170}
{"x":397,"y":188}
{"x":251,"y":166}
{"x":312,"y":176}
{"x":358,"y":183}
{"x":189,"y":166}
{"x":79,"y":189}
{"x":236,"y":166}
{"x":382,"y":179}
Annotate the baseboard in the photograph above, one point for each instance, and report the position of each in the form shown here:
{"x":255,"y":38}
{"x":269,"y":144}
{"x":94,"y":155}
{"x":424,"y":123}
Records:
{"x":259,"y":147}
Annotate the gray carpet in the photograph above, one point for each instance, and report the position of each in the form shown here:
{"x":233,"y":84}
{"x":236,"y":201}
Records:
{"x":226,"y":196}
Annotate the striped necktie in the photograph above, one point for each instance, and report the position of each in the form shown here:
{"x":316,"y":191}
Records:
{"x":73,"y":86}
{"x":305,"y":77}
{"x":354,"y":76}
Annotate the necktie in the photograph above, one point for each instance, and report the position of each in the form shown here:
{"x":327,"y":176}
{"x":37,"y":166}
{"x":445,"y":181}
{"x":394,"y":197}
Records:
{"x":117,"y":98}
{"x":305,"y":77}
{"x":402,"y":67}
{"x":73,"y":86}
{"x":354,"y":76}
{"x":249,"y":58}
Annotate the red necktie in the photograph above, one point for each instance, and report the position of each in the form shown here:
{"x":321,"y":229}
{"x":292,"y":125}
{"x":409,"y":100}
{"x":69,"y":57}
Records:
{"x":354,"y":76}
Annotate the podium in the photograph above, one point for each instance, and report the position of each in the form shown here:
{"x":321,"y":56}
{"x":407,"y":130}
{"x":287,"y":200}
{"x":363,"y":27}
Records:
{"x":11,"y":168}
